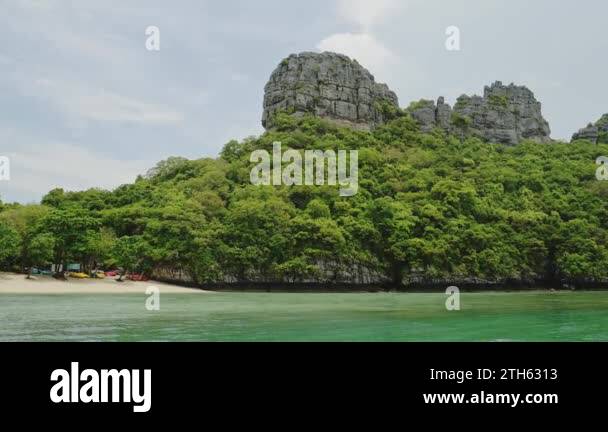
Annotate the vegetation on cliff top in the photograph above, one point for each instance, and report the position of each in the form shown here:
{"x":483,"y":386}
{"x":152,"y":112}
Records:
{"x":428,"y":204}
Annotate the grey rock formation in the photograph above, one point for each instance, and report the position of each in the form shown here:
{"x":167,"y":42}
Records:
{"x":595,"y":132}
{"x":334,"y":87}
{"x":591,"y":133}
{"x":443,"y":115}
{"x":505,"y":114}
{"x":430,"y":115}
{"x":425,"y":112}
{"x":328,"y":85}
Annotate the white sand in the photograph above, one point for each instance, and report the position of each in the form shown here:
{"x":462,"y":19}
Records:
{"x":17,"y":284}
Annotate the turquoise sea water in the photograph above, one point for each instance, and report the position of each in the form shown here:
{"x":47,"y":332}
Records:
{"x":529,"y":316}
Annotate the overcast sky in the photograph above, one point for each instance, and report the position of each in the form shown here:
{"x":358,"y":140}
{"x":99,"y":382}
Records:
{"x":84,"y":104}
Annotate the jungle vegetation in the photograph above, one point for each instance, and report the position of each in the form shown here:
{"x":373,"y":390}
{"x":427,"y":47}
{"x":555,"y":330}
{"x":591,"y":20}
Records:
{"x":430,"y":205}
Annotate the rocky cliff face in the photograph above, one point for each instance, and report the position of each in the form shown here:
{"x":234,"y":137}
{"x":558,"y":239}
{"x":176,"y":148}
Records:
{"x":339,"y":89}
{"x":431,"y":116}
{"x":590,"y":133}
{"x":505,"y":114}
{"x":595,"y":132}
{"x":327,"y":85}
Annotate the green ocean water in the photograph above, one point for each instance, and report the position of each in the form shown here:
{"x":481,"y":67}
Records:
{"x":528,"y":316}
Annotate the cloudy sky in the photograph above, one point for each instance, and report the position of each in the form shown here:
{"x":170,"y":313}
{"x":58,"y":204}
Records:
{"x":84,"y":104}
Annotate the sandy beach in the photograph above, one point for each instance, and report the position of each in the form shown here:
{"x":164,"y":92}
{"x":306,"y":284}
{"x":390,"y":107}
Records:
{"x":11,"y":283}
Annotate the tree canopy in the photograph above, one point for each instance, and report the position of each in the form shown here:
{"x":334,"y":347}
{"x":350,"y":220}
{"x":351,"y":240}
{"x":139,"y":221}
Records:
{"x":429,"y":205}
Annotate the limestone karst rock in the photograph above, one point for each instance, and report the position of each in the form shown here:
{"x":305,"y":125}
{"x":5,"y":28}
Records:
{"x":595,"y":132}
{"x":425,"y":112}
{"x":590,"y":133}
{"x":334,"y":87}
{"x":327,"y":85}
{"x":505,"y":114}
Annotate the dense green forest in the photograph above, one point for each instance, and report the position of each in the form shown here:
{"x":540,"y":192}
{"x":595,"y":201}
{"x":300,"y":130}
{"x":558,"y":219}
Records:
{"x":429,"y":206}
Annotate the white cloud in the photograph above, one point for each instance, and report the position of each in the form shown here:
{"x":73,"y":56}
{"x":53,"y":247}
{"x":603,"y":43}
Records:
{"x":80,"y":101}
{"x":37,"y":167}
{"x":367,"y":13}
{"x":361,"y":46}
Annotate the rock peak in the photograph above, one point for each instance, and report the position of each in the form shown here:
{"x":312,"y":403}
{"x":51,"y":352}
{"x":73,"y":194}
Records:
{"x":595,"y":132}
{"x":328,"y":85}
{"x":505,"y":114}
{"x":337,"y":88}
